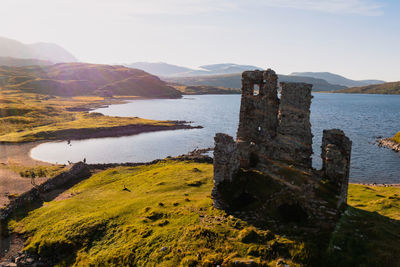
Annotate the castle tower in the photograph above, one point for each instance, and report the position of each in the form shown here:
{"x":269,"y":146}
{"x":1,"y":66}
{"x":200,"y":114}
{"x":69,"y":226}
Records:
{"x":258,"y":119}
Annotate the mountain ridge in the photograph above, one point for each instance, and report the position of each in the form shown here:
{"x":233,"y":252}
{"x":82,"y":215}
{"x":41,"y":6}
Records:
{"x":235,"y":81}
{"x":169,"y":70}
{"x":336,"y":79}
{"x":41,"y":51}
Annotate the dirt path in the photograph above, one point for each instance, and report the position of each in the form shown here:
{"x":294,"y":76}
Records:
{"x":10,"y":182}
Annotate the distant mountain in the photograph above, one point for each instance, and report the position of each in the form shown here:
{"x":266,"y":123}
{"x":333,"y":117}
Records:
{"x":77,"y":79}
{"x":20,"y":62}
{"x":168,"y":70}
{"x":392,"y":88}
{"x":159,"y":69}
{"x":42,"y":51}
{"x":227,"y":68}
{"x":336,"y":79}
{"x":235,"y":81}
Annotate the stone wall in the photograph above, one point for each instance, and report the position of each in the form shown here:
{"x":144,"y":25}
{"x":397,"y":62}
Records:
{"x":294,"y":132}
{"x":336,"y":154}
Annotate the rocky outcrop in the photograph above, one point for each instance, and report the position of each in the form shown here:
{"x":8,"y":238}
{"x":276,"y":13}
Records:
{"x":268,"y":170}
{"x":389,"y":143}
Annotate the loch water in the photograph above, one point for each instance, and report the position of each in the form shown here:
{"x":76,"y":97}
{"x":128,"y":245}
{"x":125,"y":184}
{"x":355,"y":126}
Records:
{"x":362,"y":117}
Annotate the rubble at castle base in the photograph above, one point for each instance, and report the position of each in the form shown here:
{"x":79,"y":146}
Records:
{"x":267,"y":171}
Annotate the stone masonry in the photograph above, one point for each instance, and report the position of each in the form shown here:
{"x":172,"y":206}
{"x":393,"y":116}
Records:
{"x":274,"y":137}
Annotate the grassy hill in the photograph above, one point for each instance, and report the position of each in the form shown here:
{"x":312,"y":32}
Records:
{"x":392,"y":88}
{"x":77,"y":79}
{"x":235,"y":81}
{"x":336,"y":79}
{"x":162,"y":214}
{"x":28,"y":117}
{"x":204,"y":89}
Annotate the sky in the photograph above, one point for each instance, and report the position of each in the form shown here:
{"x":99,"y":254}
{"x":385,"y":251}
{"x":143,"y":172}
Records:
{"x":359,"y":39}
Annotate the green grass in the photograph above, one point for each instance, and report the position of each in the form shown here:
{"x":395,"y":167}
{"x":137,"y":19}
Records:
{"x":166,"y":217}
{"x":384,"y":88}
{"x":37,"y":171}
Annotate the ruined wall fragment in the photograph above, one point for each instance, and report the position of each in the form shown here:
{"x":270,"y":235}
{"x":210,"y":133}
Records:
{"x":335,"y":154}
{"x":226,"y":164}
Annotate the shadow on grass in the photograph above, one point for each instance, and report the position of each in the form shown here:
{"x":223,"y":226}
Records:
{"x":361,"y":238}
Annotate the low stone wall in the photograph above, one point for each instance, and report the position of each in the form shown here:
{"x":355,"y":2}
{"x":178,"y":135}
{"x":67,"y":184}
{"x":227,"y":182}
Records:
{"x":389,"y":143}
{"x":78,"y":171}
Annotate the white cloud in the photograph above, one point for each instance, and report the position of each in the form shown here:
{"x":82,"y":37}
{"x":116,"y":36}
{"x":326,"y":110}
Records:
{"x":113,"y":8}
{"x":180,"y":7}
{"x":359,"y":7}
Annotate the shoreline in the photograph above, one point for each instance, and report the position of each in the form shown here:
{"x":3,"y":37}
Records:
{"x":377,"y":184}
{"x":389,"y":143}
{"x":19,"y":153}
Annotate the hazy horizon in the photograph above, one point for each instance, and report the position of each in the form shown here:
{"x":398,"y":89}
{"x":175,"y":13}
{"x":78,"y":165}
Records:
{"x":354,"y":38}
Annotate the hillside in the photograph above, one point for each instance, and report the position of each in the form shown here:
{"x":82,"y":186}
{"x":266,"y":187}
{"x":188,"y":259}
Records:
{"x":235,"y":81}
{"x":77,"y":79}
{"x":43,"y":51}
{"x":336,"y":79}
{"x":205,"y":90}
{"x":168,"y":70}
{"x":162,"y":214}
{"x":392,"y":88}
{"x":20,"y":62}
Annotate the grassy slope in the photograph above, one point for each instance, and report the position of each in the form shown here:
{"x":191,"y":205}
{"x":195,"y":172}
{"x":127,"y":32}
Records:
{"x":36,"y":171}
{"x":31,"y":117}
{"x":76,"y":79}
{"x":384,"y":88}
{"x":167,"y":216}
{"x":203,"y":89}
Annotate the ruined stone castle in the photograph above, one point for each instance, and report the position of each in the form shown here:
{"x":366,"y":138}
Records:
{"x":268,"y":170}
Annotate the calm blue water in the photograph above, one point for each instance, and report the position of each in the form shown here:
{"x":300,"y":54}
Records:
{"x":362,"y":117}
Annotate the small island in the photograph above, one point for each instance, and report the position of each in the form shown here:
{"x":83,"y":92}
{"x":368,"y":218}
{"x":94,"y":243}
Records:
{"x":392,"y":142}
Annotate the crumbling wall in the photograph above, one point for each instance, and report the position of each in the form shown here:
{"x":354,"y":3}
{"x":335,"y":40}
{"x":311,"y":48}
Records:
{"x":294,"y":131}
{"x":273,"y":128}
{"x":226,"y":164}
{"x":336,"y":154}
